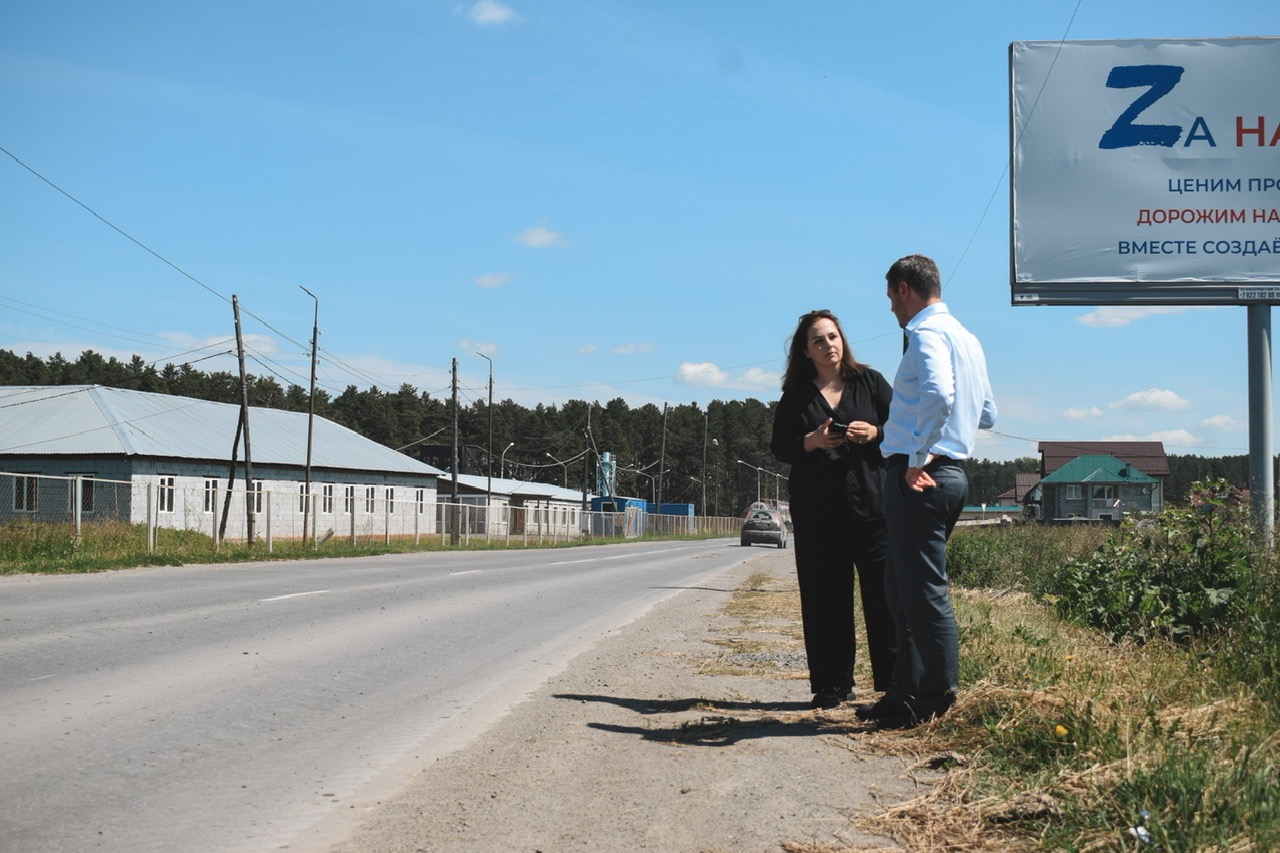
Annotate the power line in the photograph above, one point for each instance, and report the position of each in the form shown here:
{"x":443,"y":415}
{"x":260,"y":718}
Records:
{"x":1008,"y":164}
{"x":116,"y":229}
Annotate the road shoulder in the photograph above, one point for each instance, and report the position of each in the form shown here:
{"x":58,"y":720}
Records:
{"x":651,"y":740}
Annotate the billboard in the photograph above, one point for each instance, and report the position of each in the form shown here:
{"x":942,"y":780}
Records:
{"x":1145,"y":172}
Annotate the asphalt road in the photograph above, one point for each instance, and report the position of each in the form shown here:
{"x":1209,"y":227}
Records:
{"x":233,"y":707}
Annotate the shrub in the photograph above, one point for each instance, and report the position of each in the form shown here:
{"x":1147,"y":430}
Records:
{"x":1173,"y":576}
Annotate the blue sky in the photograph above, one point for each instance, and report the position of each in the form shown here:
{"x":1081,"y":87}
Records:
{"x":609,"y":198}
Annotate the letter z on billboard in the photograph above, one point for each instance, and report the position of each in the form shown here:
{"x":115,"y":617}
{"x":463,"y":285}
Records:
{"x":1145,"y":172}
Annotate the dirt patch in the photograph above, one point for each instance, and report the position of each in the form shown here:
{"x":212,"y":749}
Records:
{"x":688,"y":730}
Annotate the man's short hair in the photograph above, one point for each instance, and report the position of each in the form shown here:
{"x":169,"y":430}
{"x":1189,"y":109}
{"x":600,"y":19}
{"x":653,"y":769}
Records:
{"x":919,"y":272}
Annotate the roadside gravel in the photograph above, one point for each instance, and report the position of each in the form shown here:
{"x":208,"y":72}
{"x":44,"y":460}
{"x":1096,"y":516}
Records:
{"x":687,"y":730}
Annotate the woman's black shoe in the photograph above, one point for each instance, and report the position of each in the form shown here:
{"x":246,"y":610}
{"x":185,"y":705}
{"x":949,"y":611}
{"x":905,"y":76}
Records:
{"x":830,"y":697}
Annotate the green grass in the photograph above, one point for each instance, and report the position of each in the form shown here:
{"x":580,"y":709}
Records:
{"x":27,"y":547}
{"x":1070,"y":740}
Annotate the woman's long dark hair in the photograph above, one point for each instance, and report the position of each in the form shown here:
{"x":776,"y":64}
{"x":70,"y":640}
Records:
{"x":800,"y":368}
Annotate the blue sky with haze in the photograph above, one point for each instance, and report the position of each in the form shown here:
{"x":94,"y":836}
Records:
{"x":609,"y":198}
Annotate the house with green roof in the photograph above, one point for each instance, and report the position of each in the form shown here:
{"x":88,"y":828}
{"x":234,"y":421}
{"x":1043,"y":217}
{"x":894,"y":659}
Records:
{"x":1100,"y":488}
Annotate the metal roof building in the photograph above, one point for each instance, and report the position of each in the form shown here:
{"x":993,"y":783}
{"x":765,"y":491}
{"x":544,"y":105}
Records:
{"x":80,"y":420}
{"x":134,"y":456}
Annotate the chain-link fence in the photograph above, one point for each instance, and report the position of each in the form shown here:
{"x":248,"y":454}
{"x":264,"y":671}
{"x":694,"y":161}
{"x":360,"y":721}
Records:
{"x":352,"y":513}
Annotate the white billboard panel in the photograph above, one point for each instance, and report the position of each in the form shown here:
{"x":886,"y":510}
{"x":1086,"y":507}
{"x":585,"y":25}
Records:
{"x":1145,"y":172}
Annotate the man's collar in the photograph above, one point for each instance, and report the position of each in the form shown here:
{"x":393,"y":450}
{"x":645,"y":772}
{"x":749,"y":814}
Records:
{"x":930,"y":310}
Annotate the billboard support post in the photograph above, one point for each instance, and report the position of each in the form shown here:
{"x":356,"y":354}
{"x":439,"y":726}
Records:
{"x":1261,"y":470}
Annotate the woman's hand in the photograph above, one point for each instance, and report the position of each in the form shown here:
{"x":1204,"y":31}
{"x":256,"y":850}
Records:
{"x":861,"y":432}
{"x":824,"y":437}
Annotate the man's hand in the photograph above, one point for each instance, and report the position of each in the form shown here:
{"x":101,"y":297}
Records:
{"x":918,"y":479}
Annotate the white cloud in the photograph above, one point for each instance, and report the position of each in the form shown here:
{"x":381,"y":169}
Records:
{"x":483,"y":347}
{"x":1219,"y":422}
{"x":706,"y":374}
{"x":540,"y":237}
{"x":1157,"y":399}
{"x":1170,"y":438}
{"x":1113,"y":316}
{"x":702,"y":374}
{"x":1082,"y":414}
{"x":631,"y":349}
{"x":493,"y":279}
{"x":488,"y":12}
{"x":587,"y":349}
{"x":755,"y":378}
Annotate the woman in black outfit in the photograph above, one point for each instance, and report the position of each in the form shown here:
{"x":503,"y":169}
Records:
{"x":827,"y":428}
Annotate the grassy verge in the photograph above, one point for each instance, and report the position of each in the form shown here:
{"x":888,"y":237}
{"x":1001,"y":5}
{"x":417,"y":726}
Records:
{"x":55,"y":549}
{"x":1063,"y":738}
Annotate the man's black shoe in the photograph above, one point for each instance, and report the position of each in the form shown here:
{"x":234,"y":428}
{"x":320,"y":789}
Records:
{"x":906,"y":718}
{"x":885,"y":707}
{"x":830,"y":697}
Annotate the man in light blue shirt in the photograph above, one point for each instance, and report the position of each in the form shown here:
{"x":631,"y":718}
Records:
{"x":941,"y":398}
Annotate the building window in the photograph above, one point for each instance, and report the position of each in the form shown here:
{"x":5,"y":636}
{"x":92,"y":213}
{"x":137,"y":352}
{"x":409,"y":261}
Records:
{"x":1073,"y":492}
{"x":86,"y":492}
{"x":1105,"y":493}
{"x":420,"y":496}
{"x":24,"y":494}
{"x":391,"y":499}
{"x":370,"y":499}
{"x":326,"y":498}
{"x":348,"y":500}
{"x":166,"y":493}
{"x":210,"y":494}
{"x":257,"y":497}
{"x":304,"y":499}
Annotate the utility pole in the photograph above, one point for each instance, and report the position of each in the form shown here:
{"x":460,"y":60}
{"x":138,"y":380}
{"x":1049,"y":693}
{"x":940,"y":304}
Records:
{"x":489,"y":457}
{"x":311,"y":412}
{"x":662,"y":456}
{"x":453,"y":527}
{"x":704,"y":463}
{"x":244,"y":425}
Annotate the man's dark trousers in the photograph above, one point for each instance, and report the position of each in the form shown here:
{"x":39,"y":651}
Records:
{"x":927,"y":671}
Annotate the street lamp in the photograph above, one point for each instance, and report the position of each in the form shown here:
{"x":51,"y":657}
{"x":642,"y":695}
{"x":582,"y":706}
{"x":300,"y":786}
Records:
{"x":502,"y":460}
{"x":757,"y":478}
{"x":714,"y":443}
{"x":489,"y":458}
{"x":563,"y":465}
{"x":653,"y":479}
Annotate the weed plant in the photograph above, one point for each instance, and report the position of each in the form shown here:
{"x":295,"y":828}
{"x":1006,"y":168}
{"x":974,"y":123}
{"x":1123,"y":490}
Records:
{"x":1023,"y":556}
{"x":1172,"y":577}
{"x":1148,"y":719}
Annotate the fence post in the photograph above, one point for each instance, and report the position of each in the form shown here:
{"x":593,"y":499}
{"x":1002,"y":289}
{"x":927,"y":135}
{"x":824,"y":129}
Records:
{"x":270,"y":540}
{"x":76,"y":492}
{"x":151,"y":524}
{"x":353,"y":520}
{"x":217,"y":543}
{"x":386,"y":519}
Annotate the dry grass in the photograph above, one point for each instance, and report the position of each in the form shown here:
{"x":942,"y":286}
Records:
{"x":1057,"y":738}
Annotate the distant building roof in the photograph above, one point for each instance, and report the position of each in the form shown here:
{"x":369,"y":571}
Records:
{"x":1147,"y":456}
{"x":515,"y":488}
{"x":1097,"y":469}
{"x":1023,"y":483}
{"x":93,"y":420}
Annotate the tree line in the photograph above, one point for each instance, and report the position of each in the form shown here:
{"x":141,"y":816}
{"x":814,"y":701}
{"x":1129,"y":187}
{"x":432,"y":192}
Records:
{"x":672,"y":455}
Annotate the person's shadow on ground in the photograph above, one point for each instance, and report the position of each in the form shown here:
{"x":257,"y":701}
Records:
{"x":781,"y":719}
